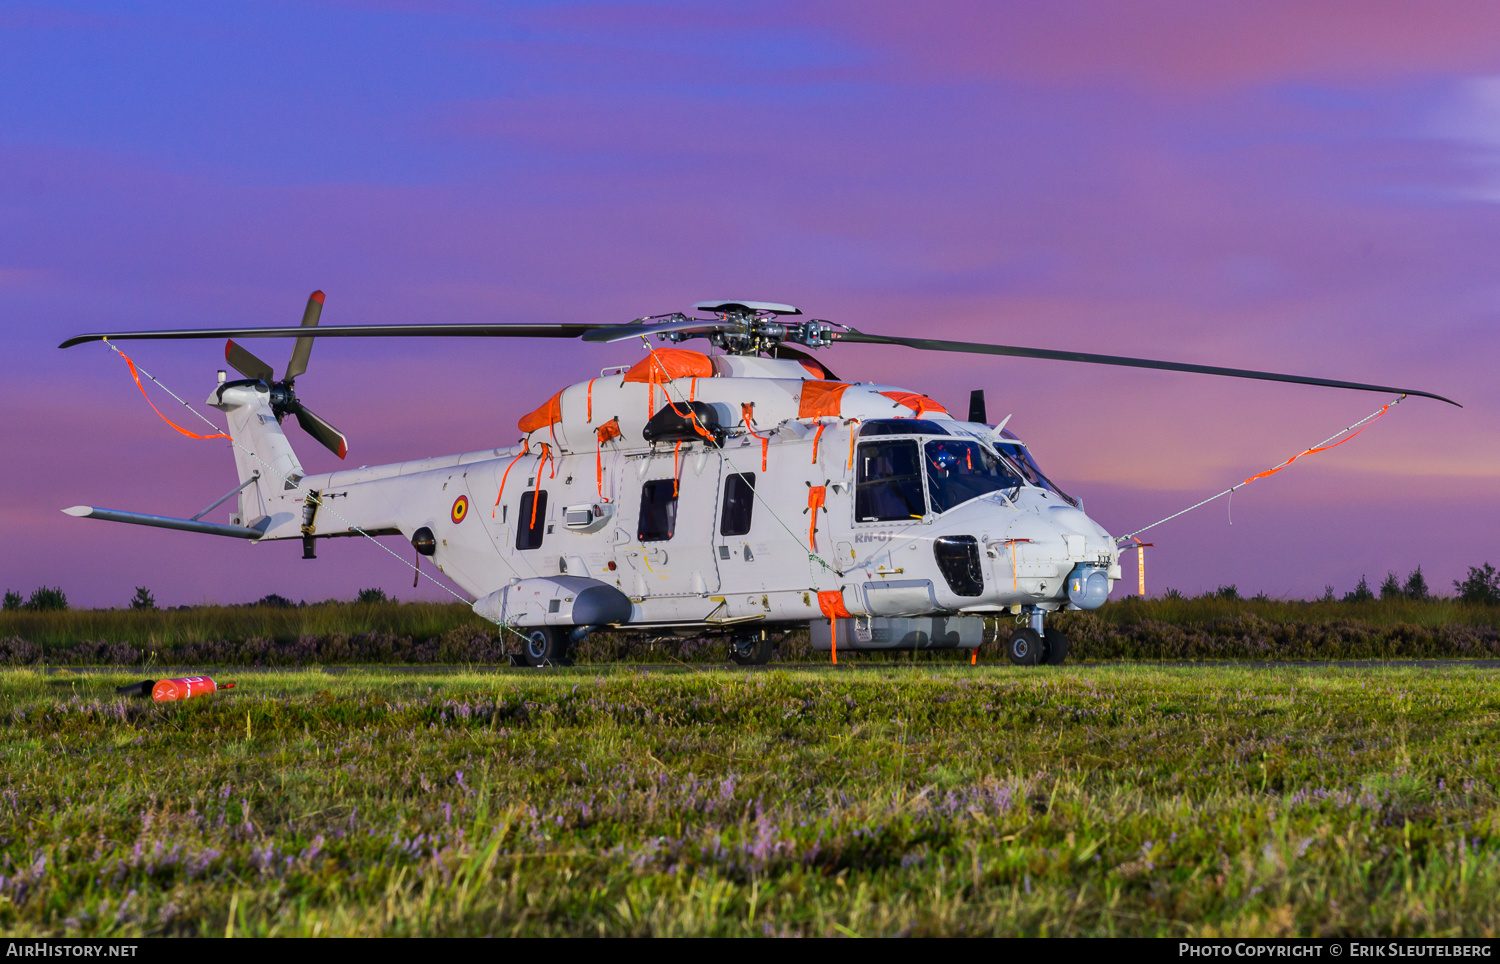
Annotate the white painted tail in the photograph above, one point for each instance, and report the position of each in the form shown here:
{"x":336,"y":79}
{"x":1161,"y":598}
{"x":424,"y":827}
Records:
{"x":261,"y":447}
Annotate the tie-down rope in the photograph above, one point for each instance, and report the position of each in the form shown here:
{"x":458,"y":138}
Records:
{"x":1323,"y":446}
{"x":286,"y":480}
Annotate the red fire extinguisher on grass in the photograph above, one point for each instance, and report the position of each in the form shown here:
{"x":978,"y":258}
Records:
{"x":167,"y":690}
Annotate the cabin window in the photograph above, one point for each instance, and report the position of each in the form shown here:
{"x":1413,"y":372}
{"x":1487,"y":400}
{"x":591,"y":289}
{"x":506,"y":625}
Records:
{"x":888,"y":484}
{"x":739,"y":500}
{"x":658,"y":511}
{"x":529,"y":533}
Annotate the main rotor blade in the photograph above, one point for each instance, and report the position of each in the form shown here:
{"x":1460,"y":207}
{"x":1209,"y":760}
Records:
{"x":352,"y":331}
{"x":605,"y":334}
{"x":303,"y":348}
{"x":244,"y":361}
{"x":332,"y":438}
{"x":978,"y":348}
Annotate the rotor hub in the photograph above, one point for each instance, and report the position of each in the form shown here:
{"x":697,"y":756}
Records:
{"x":756,"y":332}
{"x":283,"y":399}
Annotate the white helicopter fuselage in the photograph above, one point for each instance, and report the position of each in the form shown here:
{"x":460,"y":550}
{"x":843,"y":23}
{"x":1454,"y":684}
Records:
{"x":790,"y":496}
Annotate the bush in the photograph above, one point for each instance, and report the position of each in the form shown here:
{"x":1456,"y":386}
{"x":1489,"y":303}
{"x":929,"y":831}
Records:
{"x":275,"y":602}
{"x":1416,"y":586}
{"x":1391,"y":588}
{"x":46,"y":600}
{"x":1361,"y":592}
{"x":373,"y":596}
{"x":12,"y":600}
{"x":1482,"y":586}
{"x":143,"y":599}
{"x":1230,"y":591}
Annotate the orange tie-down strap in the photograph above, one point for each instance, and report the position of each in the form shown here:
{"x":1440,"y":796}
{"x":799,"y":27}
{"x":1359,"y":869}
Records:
{"x":817,"y":497}
{"x":136,"y":375}
{"x":602,"y":434}
{"x":832,"y":604}
{"x":747,"y":415}
{"x":541,"y":460}
{"x":1015,"y":583}
{"x":501,"y":494}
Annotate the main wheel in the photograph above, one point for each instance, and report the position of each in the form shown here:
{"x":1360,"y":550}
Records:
{"x":546,"y":646}
{"x":1057,"y":647}
{"x":1025,"y":647}
{"x":750,"y":650}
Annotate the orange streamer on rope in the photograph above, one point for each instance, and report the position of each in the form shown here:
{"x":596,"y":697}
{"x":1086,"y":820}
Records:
{"x":590,"y":418}
{"x":134,"y":374}
{"x":817,"y":437}
{"x":676,"y":466}
{"x":1323,"y":448}
{"x":501,"y":494}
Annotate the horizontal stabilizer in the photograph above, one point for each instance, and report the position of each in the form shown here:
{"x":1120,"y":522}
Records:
{"x":167,"y":522}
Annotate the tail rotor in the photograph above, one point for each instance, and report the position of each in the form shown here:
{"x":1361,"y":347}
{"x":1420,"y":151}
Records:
{"x":284,"y":399}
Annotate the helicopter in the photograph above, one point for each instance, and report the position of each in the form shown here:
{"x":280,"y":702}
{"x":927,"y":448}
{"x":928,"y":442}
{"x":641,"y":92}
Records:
{"x":742,"y":494}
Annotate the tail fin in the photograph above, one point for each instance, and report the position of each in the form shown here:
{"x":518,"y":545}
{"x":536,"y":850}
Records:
{"x":260,"y":446}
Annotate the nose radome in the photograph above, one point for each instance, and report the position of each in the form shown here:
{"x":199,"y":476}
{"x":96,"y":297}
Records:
{"x":1074,"y":520}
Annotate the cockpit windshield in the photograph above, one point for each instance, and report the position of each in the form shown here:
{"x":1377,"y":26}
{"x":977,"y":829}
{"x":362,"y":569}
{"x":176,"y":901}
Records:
{"x":958,"y":471}
{"x":1017,"y":453}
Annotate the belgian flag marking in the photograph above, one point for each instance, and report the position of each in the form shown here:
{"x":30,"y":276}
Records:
{"x":460,"y":509}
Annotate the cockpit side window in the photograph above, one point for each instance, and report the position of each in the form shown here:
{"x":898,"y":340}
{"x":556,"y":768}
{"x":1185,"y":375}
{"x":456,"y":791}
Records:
{"x":1021,"y":458}
{"x":960,"y":471}
{"x":888,"y":482}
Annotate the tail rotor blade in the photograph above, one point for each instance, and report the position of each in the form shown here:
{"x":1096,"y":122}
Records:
{"x":244,"y":361}
{"x":330,"y":437}
{"x":303,"y":348}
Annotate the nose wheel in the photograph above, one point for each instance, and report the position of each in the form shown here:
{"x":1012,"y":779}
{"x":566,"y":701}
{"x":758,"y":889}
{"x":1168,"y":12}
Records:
{"x":1025,"y":647}
{"x":1033,"y":646}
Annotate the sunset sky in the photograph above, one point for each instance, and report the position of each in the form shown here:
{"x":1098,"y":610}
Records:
{"x":1309,"y":187}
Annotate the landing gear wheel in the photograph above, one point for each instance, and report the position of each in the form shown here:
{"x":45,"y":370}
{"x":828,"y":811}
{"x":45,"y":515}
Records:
{"x":1025,"y":647}
{"x":546,"y":646}
{"x":750,"y":650}
{"x":1057,"y":647}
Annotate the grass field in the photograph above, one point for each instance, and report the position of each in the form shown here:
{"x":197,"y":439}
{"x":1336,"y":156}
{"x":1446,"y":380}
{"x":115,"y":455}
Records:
{"x":927,"y":800}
